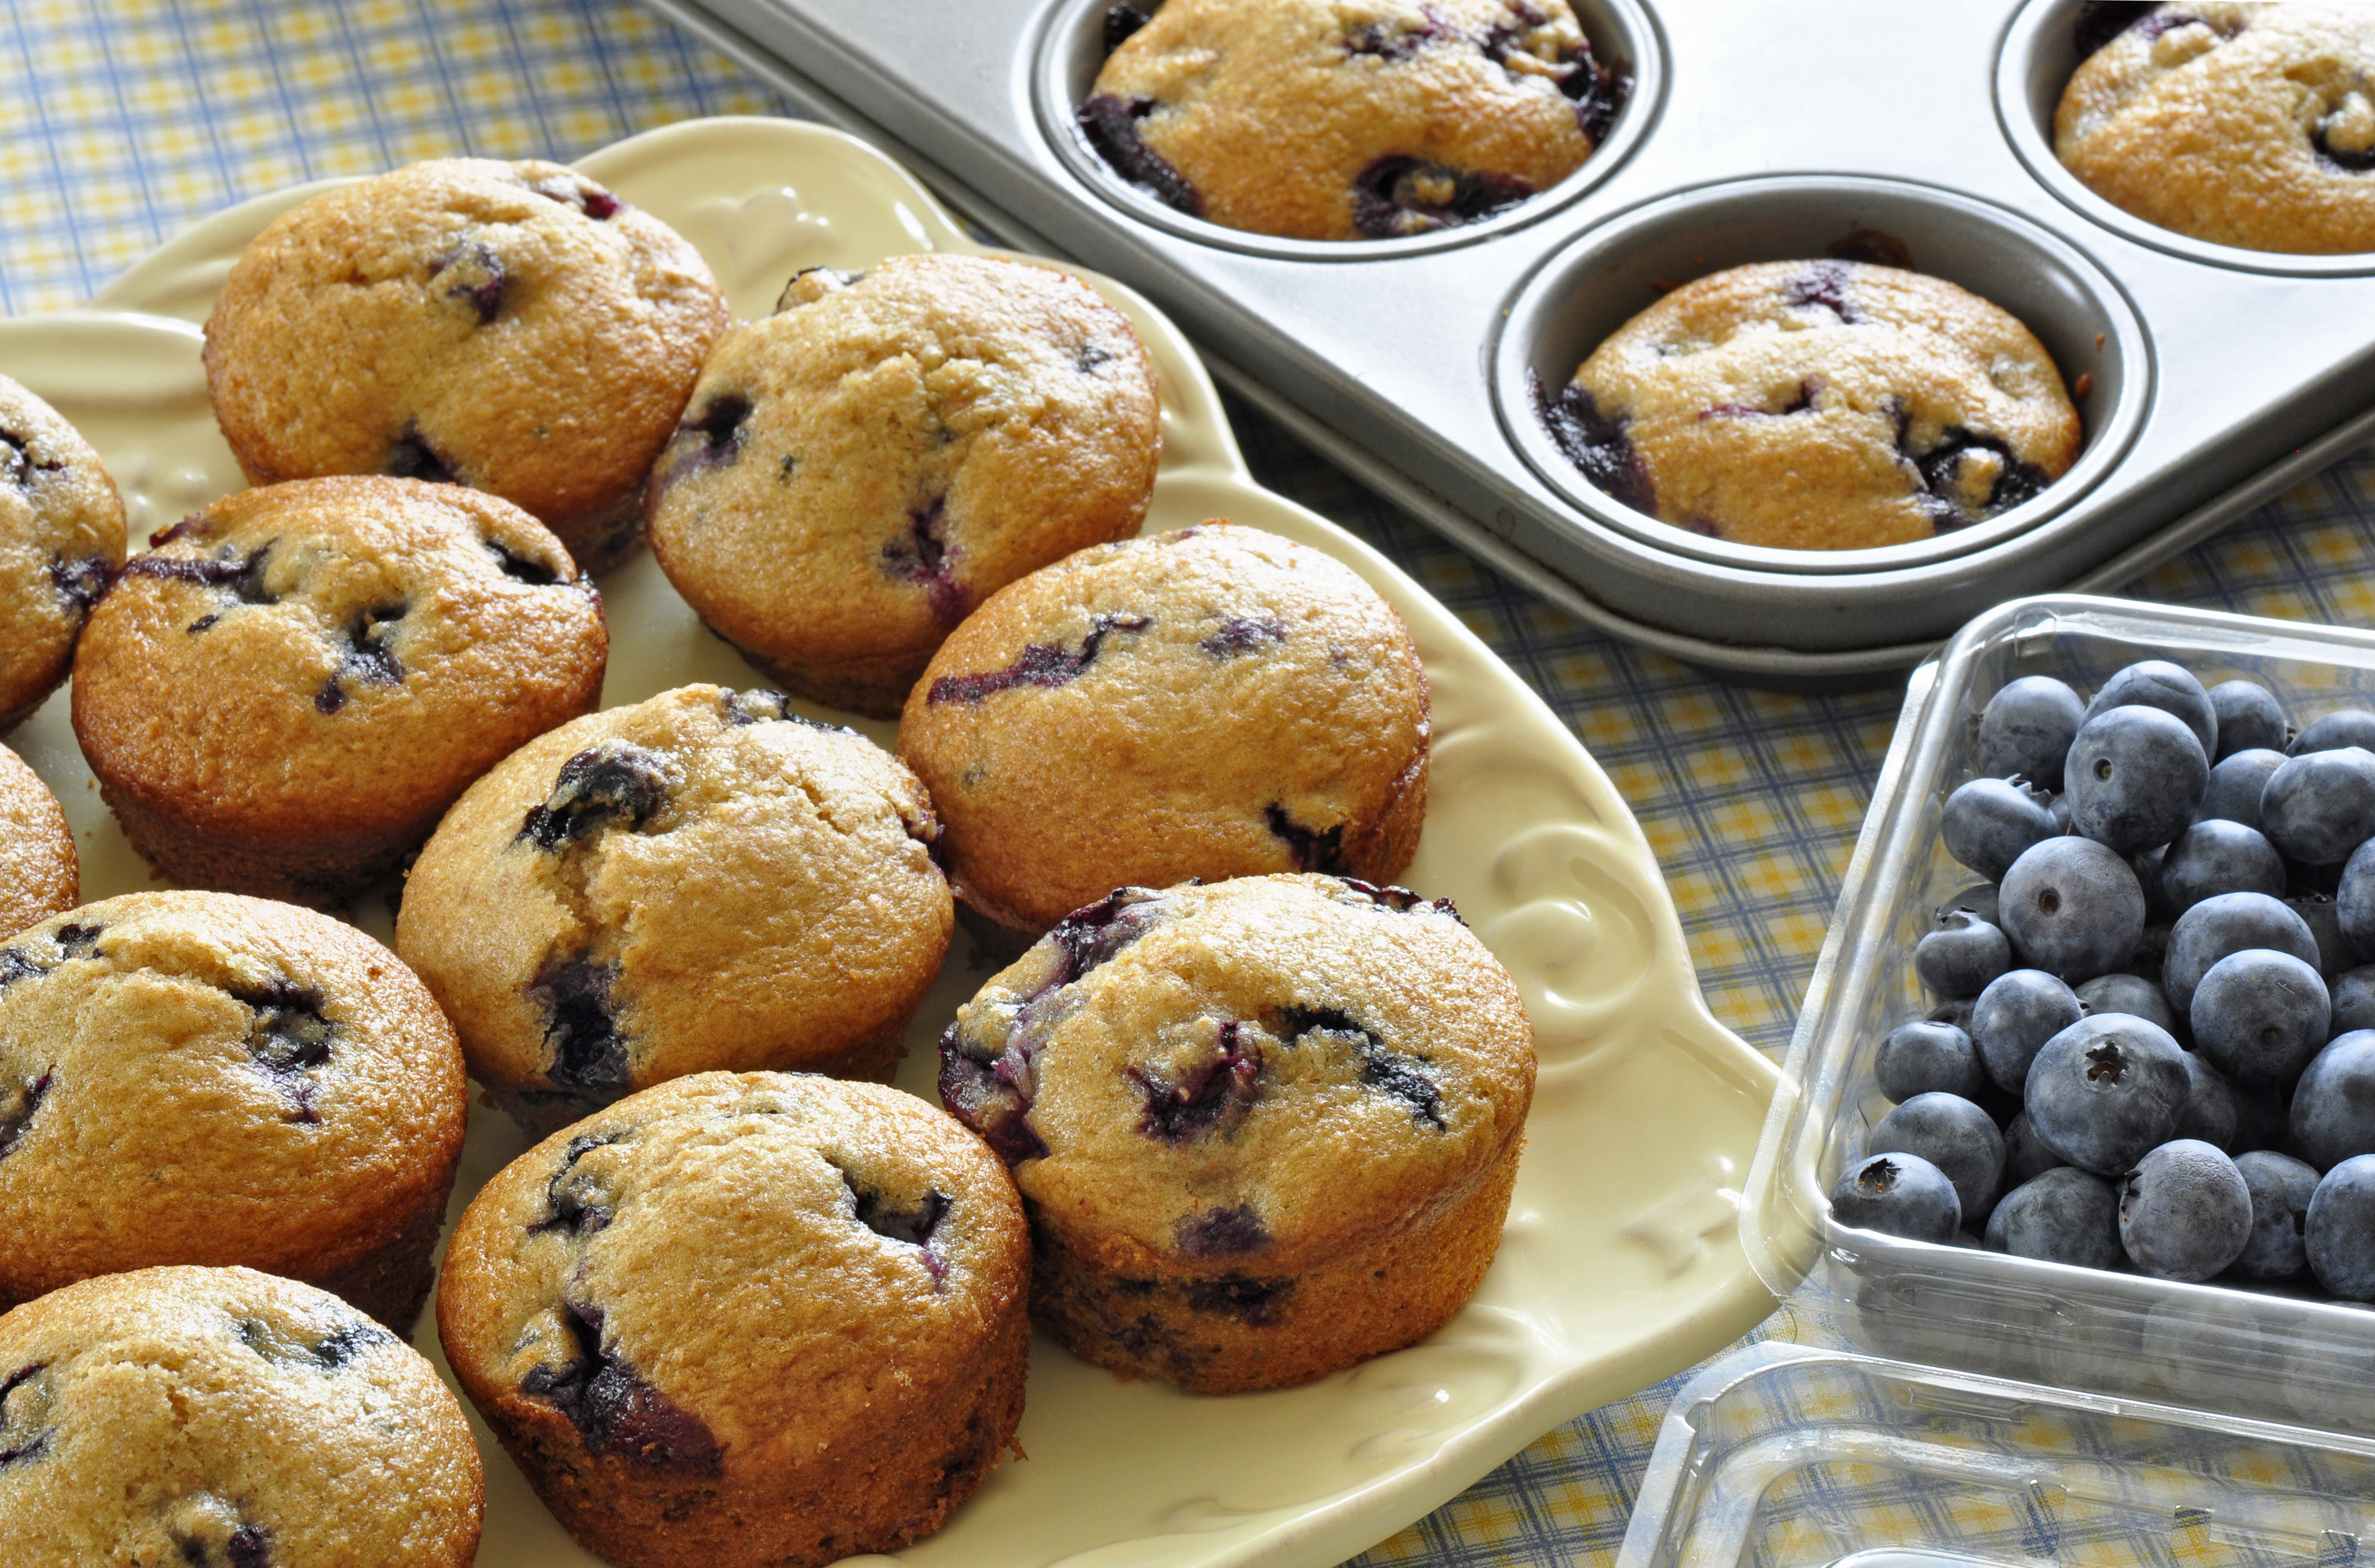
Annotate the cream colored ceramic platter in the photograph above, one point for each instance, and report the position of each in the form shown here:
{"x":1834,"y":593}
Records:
{"x":1620,"y":1263}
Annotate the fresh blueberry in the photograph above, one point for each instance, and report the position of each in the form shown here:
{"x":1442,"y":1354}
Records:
{"x":2236,"y":783}
{"x":2354,"y":898}
{"x":2229,"y":923}
{"x":2073,"y":907}
{"x":2025,"y":1159}
{"x":1962,"y":956}
{"x":2146,"y":865}
{"x":2062,"y":1215}
{"x":2250,"y":719}
{"x":1922,"y":1058}
{"x":2135,"y":775}
{"x":2171,"y":688}
{"x":2216,"y":856}
{"x":2333,"y":1103}
{"x":2320,"y":805}
{"x":1955,"y":1011}
{"x":2208,"y":1112}
{"x":1980,"y":899}
{"x":2185,"y":1212}
{"x":1952,"y":1134}
{"x":2280,"y":1187}
{"x":2346,"y":726}
{"x":2261,"y":1114}
{"x":2353,"y":1001}
{"x":2061,"y":809}
{"x":2028,"y":728}
{"x":2015,"y":1017}
{"x":2132,"y":995}
{"x":2106,"y":1090}
{"x":2261,"y":1015}
{"x":1899,"y":1195}
{"x":2339,"y":1235}
{"x":1988,"y":822}
{"x":2336,"y":952}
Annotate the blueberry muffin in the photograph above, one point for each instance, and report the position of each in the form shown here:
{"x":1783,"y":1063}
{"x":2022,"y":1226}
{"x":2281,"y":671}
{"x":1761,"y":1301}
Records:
{"x":2245,"y":125}
{"x":61,"y":540}
{"x":286,"y":693}
{"x":1212,"y":702}
{"x":862,"y":467}
{"x":742,"y":1320}
{"x":1818,"y":404}
{"x":201,"y":1078}
{"x":1348,"y":119}
{"x":225,"y":1419}
{"x":509,"y":326}
{"x":1263,"y":1129}
{"x":703,"y":881}
{"x":39,"y":873}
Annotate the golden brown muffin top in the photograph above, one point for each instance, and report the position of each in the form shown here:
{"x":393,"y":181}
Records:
{"x":61,"y":539}
{"x":1274,"y":1069}
{"x":513,"y":326}
{"x":2242,"y":124}
{"x":732,"y":1273}
{"x":858,"y":470}
{"x":223,"y":1417}
{"x":334,"y":656}
{"x":1819,"y":404}
{"x":202,"y":1078}
{"x":1212,"y":702}
{"x":40,"y":874}
{"x":1350,"y":119}
{"x":701,"y":881}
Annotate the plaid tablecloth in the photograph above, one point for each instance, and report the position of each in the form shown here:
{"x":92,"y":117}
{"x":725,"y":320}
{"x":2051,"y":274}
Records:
{"x":119,"y":123}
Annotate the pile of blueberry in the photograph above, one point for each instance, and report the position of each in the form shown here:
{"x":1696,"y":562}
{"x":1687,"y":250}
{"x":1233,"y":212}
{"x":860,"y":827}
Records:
{"x":2157,"y":1043}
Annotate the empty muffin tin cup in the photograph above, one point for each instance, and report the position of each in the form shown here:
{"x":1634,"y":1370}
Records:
{"x":1071,"y":49}
{"x":1584,"y":292}
{"x":2040,"y":53}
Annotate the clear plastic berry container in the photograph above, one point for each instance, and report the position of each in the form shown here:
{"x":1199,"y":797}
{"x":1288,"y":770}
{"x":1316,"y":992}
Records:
{"x":2276,"y":1355}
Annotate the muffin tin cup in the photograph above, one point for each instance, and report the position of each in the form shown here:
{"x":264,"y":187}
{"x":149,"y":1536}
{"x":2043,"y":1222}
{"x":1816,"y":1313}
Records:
{"x":1584,"y":293}
{"x":2234,"y":371}
{"x":2279,"y":1355}
{"x":1069,"y":50}
{"x":2035,"y":60}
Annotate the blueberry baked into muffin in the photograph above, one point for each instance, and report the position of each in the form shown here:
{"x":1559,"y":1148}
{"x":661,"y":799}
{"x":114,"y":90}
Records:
{"x":859,"y":469}
{"x":1347,"y":119}
{"x":746,"y":1319}
{"x":220,"y":1418}
{"x":509,"y":326}
{"x":1263,"y":1129}
{"x":286,"y":693}
{"x":61,"y":540}
{"x":2250,"y":125}
{"x":39,"y":873}
{"x":1818,"y":404}
{"x":703,"y":881}
{"x":201,"y":1078}
{"x":1216,"y":702}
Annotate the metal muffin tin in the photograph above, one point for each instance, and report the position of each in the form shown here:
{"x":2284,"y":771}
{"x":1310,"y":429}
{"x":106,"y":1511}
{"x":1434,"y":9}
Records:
{"x":2216,"y":377}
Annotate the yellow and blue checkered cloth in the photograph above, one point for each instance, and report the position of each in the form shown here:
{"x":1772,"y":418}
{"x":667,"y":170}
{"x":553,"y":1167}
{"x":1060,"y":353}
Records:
{"x":121,"y":122}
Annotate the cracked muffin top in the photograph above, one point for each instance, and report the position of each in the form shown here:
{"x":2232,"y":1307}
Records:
{"x":333,"y":658}
{"x":61,"y":540}
{"x":511,"y":327}
{"x":1347,"y":119}
{"x":226,"y":1419}
{"x":701,"y":880}
{"x":859,"y":469}
{"x":1276,"y":1066}
{"x":1818,"y":404}
{"x":2246,"y":125}
{"x":736,"y":1274}
{"x":39,"y":873}
{"x":1215,"y":702}
{"x":202,"y":1078}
